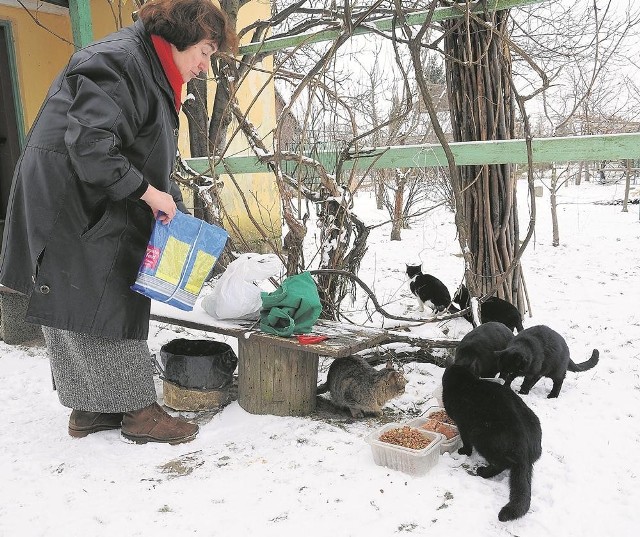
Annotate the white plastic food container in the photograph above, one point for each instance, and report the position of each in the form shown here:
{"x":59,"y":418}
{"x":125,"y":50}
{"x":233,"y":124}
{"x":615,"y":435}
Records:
{"x":410,"y":461}
{"x":448,"y":445}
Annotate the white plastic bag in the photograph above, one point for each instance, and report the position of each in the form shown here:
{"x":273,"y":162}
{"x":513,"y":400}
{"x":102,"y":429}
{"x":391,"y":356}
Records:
{"x":236,"y":295}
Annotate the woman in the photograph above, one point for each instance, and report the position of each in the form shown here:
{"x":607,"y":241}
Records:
{"x":94,"y":173}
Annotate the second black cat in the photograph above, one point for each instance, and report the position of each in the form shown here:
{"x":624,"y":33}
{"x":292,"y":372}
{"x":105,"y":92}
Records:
{"x":494,"y":420}
{"x":492,"y":309}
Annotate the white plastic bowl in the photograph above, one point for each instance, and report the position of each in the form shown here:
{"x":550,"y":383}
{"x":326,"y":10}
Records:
{"x":448,"y":445}
{"x":410,"y":461}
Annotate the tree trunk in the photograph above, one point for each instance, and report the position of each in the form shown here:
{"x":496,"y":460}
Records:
{"x":478,"y":66}
{"x":221,"y":117}
{"x":554,"y":207}
{"x":196,"y":111}
{"x":581,"y":167}
{"x":379,"y":187}
{"x":398,"y":206}
{"x":344,"y":239}
{"x":627,"y":186}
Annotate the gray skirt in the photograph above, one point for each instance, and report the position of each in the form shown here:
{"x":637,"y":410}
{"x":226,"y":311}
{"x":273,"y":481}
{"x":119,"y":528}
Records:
{"x":97,"y":374}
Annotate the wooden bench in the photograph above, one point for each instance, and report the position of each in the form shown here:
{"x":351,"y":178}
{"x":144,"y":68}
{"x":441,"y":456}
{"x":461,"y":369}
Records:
{"x":276,"y":375}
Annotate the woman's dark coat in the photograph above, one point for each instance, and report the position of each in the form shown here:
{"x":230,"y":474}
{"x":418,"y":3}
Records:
{"x":73,"y":239}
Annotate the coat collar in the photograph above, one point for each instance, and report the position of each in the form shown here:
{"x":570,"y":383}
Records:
{"x":156,"y":67}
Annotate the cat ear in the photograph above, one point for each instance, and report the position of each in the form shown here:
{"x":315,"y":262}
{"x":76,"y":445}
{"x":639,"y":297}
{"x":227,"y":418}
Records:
{"x":389,"y":364}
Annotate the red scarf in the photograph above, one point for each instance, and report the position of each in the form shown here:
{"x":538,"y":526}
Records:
{"x":163,"y":49}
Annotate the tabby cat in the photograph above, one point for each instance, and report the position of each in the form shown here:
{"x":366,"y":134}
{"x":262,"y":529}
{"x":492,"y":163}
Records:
{"x":494,"y":420}
{"x":359,"y":387}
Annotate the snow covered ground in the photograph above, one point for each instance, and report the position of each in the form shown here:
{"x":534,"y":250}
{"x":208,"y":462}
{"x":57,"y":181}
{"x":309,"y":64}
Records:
{"x":284,"y":476}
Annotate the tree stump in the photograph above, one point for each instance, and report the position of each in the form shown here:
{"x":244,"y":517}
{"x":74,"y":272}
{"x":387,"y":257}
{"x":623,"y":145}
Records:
{"x":276,"y":380}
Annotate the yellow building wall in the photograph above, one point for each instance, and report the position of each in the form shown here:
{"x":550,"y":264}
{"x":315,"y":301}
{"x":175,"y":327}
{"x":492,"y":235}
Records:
{"x":43,"y":48}
{"x":39,"y":54}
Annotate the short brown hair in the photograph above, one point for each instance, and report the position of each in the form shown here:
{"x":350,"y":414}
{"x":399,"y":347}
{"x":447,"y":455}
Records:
{"x":187,"y":22}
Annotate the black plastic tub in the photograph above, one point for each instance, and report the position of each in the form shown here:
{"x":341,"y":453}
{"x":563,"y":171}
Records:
{"x":198,"y":363}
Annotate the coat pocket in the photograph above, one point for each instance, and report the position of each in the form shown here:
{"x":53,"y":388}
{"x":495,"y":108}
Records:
{"x":101,"y":223}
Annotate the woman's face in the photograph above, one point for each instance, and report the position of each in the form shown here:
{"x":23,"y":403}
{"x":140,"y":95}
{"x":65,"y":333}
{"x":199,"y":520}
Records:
{"x":194,"y":59}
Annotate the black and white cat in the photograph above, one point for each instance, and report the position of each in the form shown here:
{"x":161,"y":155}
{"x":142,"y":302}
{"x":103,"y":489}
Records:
{"x":477,"y":349}
{"x":361,"y":388}
{"x":428,"y":289}
{"x":539,"y":352}
{"x":492,"y":309}
{"x":494,"y":420}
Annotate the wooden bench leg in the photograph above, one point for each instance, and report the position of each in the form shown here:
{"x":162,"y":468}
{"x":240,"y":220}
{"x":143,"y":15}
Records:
{"x":276,"y":380}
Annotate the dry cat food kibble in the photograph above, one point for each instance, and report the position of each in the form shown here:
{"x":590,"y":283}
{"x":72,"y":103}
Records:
{"x":441,"y":415}
{"x":439,"y":427}
{"x":405,"y":437}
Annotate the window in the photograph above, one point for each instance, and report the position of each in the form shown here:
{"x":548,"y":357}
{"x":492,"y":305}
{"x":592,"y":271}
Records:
{"x":62,"y":3}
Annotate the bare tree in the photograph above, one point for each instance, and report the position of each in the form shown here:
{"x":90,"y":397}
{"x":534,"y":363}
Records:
{"x":591,"y":88}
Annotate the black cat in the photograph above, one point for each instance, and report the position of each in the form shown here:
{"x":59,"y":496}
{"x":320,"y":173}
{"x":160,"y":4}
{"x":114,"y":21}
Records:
{"x":428,"y":289}
{"x":539,"y":352}
{"x":502,"y":428}
{"x":492,"y":309}
{"x":476,"y":350}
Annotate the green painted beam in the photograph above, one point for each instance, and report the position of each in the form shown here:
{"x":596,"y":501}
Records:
{"x":545,"y":150}
{"x":386,"y":24}
{"x":80,"y":13}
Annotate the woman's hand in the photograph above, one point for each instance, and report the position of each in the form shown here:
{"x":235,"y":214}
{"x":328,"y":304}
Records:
{"x":162,"y":204}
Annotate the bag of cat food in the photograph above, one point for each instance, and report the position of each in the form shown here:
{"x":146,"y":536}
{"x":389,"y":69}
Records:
{"x":179,"y":258}
{"x":237,"y":293}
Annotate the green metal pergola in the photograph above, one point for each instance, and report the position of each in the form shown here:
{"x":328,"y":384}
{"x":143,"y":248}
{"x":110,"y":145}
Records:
{"x":80,"y":14}
{"x":545,"y":150}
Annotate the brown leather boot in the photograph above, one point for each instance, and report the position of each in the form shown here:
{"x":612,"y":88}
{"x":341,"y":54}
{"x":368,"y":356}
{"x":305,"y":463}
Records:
{"x":153,"y":424}
{"x":82,"y":423}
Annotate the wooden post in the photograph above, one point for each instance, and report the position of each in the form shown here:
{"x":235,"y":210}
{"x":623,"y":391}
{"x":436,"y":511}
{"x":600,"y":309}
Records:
{"x":276,"y":380}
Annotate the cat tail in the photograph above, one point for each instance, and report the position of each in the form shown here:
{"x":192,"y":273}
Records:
{"x":584,"y":366}
{"x":323,"y":388}
{"x":519,"y":493}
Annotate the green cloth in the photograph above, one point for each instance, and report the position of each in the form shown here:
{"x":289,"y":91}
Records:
{"x":292,"y":308}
